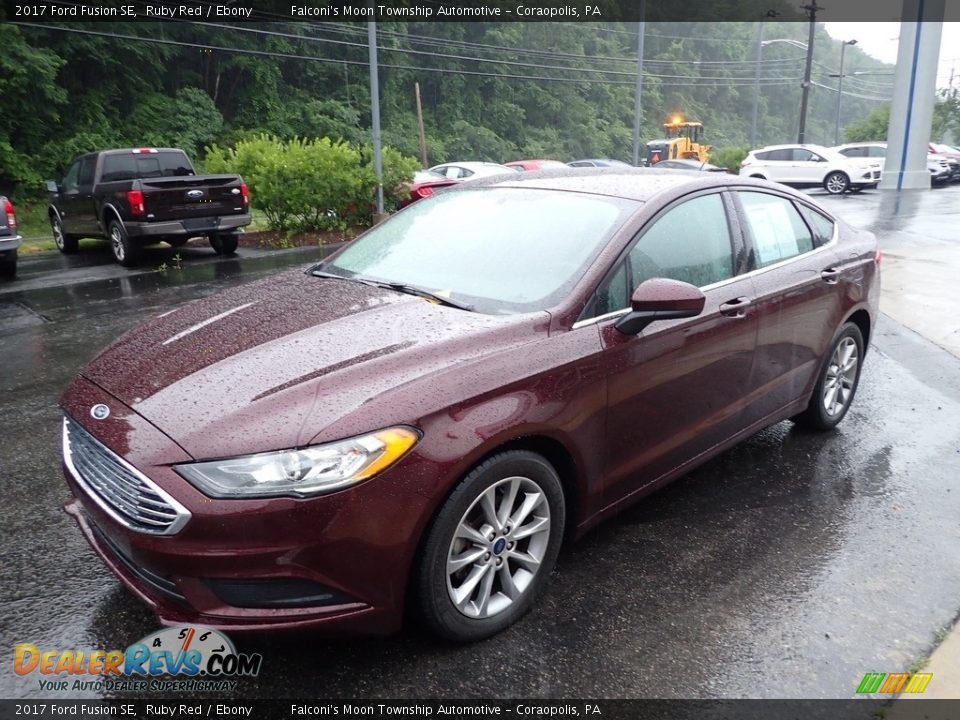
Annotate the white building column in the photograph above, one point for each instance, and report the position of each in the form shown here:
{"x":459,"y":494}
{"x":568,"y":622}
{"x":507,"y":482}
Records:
{"x":914,"y":92}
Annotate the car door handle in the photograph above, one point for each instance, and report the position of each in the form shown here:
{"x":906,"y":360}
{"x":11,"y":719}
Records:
{"x":736,"y":308}
{"x":830,"y":275}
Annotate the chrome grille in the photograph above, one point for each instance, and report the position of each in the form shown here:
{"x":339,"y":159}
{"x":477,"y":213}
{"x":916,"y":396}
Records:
{"x":119,"y":489}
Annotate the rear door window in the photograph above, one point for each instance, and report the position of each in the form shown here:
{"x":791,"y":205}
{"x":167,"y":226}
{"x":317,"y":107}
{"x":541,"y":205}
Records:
{"x":776,"y":228}
{"x":821,"y":225}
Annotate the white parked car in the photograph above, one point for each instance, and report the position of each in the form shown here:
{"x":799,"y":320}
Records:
{"x":869,"y":152}
{"x":471,"y":170}
{"x":810,"y":166}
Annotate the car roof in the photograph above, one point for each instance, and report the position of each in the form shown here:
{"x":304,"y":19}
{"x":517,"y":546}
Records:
{"x":471,"y":164}
{"x":807,"y":146}
{"x":639,"y":184}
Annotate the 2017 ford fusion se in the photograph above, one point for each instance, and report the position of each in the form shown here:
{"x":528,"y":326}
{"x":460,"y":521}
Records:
{"x":420,"y":420}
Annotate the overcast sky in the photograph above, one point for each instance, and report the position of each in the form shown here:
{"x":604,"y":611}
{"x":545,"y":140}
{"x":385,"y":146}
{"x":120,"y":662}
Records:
{"x":880,"y":40}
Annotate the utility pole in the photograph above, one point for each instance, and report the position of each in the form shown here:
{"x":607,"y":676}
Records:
{"x":756,"y":89}
{"x":811,"y":9}
{"x":836,"y":129}
{"x":641,"y":31}
{"x":423,"y":135}
{"x":375,"y":111}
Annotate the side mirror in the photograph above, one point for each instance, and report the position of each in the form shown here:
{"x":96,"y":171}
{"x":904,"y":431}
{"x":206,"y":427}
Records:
{"x":52,"y":186}
{"x":660,"y":299}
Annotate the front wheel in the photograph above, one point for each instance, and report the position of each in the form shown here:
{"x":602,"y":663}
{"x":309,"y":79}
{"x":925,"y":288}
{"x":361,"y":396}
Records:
{"x":67,"y":244}
{"x":491,"y":547}
{"x":224,"y":244}
{"x":836,"y":183}
{"x":125,"y":251}
{"x":837,"y":384}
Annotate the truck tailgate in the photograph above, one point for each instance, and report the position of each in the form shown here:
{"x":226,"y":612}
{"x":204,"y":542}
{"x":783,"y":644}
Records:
{"x":191,"y":197}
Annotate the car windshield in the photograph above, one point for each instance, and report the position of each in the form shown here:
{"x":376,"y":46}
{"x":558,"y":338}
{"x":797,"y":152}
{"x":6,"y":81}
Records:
{"x":500,"y":250}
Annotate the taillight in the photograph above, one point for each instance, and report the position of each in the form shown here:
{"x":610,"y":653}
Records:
{"x":245,"y":193}
{"x":137,"y":207}
{"x":425,"y":191}
{"x":11,"y":217}
{"x":878,"y":257}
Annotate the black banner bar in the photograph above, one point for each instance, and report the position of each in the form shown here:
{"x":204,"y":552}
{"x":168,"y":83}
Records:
{"x":865,"y":709}
{"x":261,"y":11}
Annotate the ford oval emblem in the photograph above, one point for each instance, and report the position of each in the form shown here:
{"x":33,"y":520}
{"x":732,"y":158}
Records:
{"x":195,"y":193}
{"x":100,"y":412}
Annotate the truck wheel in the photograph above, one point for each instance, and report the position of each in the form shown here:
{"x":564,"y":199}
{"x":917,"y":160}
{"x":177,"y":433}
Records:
{"x":67,"y":244}
{"x":126,"y":252}
{"x":224,"y":244}
{"x":8,"y":267}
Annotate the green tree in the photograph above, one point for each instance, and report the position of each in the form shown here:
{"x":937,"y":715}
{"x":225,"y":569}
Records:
{"x":872,"y":128}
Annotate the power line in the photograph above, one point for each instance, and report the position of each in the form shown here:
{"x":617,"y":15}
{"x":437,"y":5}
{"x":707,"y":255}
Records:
{"x":724,"y":82}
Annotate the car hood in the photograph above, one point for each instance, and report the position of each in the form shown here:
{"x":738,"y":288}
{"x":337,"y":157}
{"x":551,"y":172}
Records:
{"x":271,"y":364}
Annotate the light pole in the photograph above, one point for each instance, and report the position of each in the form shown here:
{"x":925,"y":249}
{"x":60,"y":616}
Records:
{"x":756,"y":89}
{"x":756,"y":78}
{"x":805,"y":97}
{"x":836,"y":130}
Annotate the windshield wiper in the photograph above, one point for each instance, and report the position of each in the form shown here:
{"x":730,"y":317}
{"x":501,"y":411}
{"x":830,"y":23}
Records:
{"x":421,"y":292}
{"x":399,"y":287}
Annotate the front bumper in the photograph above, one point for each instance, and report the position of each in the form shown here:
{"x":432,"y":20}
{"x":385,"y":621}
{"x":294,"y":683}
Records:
{"x":338,"y":562}
{"x":188,"y":227}
{"x":9,"y":244}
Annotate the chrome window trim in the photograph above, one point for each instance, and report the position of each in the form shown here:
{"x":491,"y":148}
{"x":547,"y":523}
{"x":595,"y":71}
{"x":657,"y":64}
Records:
{"x":834,"y":239}
{"x":183,"y":515}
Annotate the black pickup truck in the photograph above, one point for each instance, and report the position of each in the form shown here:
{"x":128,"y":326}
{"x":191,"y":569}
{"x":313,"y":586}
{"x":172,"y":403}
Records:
{"x":141,"y":196}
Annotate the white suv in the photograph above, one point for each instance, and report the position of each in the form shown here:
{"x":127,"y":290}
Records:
{"x":810,"y":166}
{"x":864,"y":153}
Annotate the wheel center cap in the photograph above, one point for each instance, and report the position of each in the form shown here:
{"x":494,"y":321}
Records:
{"x":498,"y":546}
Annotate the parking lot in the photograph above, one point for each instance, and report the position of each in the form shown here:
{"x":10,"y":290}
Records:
{"x":787,"y":567}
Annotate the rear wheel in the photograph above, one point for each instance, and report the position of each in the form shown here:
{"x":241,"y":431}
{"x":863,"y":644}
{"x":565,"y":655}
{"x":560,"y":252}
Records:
{"x":67,"y":244}
{"x":758,"y":177}
{"x":8,"y":265}
{"x":492,"y":547}
{"x":836,"y":183}
{"x":224,"y":243}
{"x":837,"y":383}
{"x":125,"y":251}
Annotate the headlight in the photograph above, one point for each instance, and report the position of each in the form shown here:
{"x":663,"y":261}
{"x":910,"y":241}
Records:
{"x":302,"y":473}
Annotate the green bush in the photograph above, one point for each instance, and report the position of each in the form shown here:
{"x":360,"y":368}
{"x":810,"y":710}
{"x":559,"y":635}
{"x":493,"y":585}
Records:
{"x":316,"y":184}
{"x":729,"y":157}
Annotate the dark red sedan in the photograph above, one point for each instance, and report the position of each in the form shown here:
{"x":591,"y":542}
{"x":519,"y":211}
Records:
{"x":427,"y":414}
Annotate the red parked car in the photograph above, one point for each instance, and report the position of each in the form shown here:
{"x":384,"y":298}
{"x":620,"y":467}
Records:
{"x":428,"y":413}
{"x":425,"y":183}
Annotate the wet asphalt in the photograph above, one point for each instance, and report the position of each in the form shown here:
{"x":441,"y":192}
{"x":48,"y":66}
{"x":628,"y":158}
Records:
{"x":787,"y":567}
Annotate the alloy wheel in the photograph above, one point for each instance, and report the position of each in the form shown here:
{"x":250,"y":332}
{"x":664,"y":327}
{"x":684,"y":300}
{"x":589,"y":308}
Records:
{"x":498,"y":547}
{"x":841,"y":376}
{"x":116,"y":243}
{"x":58,"y":235}
{"x":836,"y":183}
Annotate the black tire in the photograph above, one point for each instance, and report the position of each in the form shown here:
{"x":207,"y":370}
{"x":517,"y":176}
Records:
{"x":505,"y":553}
{"x":857,"y":189}
{"x":818,"y":416}
{"x":125,"y":251}
{"x":224,"y":243}
{"x":758,"y":177}
{"x":176,"y":242}
{"x":8,"y":267}
{"x":67,"y":244}
{"x":836,"y":183}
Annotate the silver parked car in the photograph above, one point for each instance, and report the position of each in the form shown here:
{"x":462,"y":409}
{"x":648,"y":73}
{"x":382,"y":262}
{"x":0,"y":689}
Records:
{"x":9,"y":239}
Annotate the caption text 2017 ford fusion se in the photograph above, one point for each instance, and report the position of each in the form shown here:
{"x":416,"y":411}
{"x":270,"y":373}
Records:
{"x":422,"y":418}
